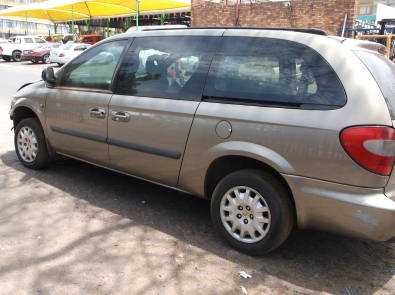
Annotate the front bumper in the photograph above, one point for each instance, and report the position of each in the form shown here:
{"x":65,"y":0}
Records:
{"x":344,"y":209}
{"x":56,"y":59}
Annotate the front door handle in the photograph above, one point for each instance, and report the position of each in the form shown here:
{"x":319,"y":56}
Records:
{"x":97,"y":113}
{"x":120,"y":116}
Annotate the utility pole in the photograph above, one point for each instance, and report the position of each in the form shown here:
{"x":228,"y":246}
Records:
{"x":138,"y":13}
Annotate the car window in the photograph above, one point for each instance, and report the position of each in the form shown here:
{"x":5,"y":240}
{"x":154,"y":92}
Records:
{"x":272,"y":71}
{"x":80,"y":47}
{"x":28,"y":40}
{"x":95,"y":68}
{"x":383,"y":70}
{"x":166,"y":67}
{"x":38,"y":40}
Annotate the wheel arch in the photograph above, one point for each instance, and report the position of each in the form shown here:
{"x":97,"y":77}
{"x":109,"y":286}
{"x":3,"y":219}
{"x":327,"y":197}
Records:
{"x":225,"y":165}
{"x":23,"y":112}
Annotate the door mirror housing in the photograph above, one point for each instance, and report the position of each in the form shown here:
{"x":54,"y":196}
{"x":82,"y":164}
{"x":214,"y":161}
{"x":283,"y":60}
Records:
{"x":48,"y":75}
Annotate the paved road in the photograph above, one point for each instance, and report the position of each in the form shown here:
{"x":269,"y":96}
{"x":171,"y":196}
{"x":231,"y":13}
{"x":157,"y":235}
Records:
{"x":78,"y":229}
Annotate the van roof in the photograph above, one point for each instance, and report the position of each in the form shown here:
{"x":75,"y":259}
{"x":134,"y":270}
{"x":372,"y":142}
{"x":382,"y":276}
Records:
{"x":214,"y":31}
{"x":301,"y":30}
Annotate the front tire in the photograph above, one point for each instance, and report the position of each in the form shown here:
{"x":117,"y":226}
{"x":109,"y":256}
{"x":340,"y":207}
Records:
{"x":253,"y":211}
{"x":30,"y":144}
{"x":46,"y":59}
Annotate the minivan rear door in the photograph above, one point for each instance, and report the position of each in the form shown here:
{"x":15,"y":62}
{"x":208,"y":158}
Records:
{"x":159,"y":87}
{"x":383,"y":70}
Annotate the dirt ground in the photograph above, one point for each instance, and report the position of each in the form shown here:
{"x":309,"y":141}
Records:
{"x":78,"y":229}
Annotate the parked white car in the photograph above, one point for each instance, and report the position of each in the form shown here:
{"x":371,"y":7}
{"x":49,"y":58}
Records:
{"x":13,"y":49}
{"x":67,"y":52}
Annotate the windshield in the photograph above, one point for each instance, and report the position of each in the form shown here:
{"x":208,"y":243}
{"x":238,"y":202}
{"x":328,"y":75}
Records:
{"x":383,"y":70}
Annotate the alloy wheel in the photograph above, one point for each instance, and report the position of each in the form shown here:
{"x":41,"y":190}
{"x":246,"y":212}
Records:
{"x":27,"y":144}
{"x":245,"y":214}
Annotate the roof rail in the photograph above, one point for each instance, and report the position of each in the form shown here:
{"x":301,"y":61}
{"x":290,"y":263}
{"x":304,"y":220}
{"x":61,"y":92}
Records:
{"x":301,"y":30}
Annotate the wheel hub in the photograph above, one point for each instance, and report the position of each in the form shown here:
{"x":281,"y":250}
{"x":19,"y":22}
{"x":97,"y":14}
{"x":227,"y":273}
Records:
{"x":245,"y":214}
{"x":27,"y":144}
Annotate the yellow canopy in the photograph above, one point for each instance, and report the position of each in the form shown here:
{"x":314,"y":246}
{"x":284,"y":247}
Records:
{"x":61,"y":11}
{"x":43,"y":11}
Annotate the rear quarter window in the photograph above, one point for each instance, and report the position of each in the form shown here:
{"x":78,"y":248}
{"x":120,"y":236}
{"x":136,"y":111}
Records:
{"x":383,"y":71}
{"x":273,"y":72}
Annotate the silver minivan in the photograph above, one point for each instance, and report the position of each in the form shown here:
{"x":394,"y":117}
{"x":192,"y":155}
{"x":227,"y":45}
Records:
{"x":279,"y":129}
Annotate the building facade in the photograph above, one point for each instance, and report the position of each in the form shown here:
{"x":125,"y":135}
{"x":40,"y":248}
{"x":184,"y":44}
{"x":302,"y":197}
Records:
{"x":366,"y":9}
{"x":18,"y":26}
{"x":329,"y":16}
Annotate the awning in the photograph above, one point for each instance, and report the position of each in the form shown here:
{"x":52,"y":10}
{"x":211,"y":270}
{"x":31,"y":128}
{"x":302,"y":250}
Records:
{"x":72,"y":10}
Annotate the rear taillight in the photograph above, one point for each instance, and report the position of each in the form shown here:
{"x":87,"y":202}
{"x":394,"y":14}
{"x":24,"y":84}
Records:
{"x":372,"y":147}
{"x":1,"y":50}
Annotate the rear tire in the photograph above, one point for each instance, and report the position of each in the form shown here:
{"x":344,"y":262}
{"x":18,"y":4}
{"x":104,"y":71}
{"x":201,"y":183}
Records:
{"x":30,"y":144}
{"x":261,"y":219}
{"x":17,"y":56}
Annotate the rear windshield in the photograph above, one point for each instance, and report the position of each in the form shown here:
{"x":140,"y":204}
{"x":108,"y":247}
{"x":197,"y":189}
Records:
{"x":383,"y":70}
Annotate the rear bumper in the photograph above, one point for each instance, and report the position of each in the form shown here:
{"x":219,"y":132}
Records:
{"x":348,"y":210}
{"x":31,"y":57}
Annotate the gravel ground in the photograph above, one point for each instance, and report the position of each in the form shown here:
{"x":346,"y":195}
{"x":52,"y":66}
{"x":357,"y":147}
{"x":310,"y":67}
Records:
{"x":78,"y":229}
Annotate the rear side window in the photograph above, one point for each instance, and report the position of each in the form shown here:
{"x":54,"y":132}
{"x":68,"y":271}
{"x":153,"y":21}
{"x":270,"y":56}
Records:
{"x":274,"y":72}
{"x":28,"y":40}
{"x":166,"y":67}
{"x":383,"y":70}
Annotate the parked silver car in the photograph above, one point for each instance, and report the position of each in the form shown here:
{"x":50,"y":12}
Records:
{"x":277,"y":128}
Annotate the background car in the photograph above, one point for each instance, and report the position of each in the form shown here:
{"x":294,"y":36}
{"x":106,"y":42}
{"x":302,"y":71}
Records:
{"x":67,"y":52}
{"x":13,"y":49}
{"x":40,"y":54}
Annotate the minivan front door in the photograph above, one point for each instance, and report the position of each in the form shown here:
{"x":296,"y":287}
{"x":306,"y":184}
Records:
{"x":77,"y":108}
{"x":159,"y":86}
{"x":77,"y":123}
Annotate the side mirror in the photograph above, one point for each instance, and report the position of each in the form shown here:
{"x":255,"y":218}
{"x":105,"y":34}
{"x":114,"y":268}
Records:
{"x":48,"y":76}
